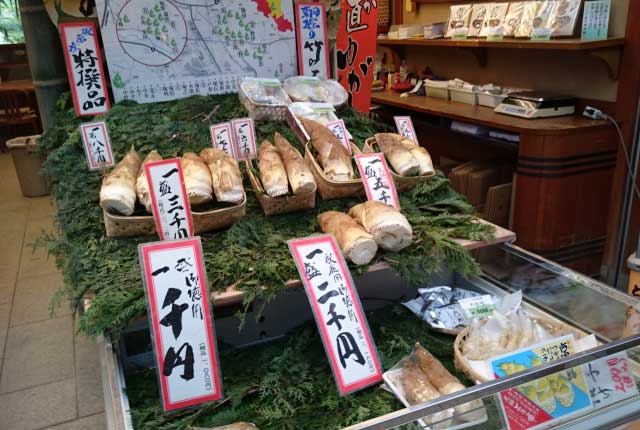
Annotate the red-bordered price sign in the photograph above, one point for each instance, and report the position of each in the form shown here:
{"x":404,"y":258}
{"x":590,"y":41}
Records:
{"x":222,"y":138}
{"x":377,"y":179}
{"x":244,"y":137}
{"x":404,"y":125}
{"x":97,"y":145}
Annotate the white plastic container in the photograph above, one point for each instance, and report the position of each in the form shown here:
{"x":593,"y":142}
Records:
{"x":490,"y":100}
{"x":463,"y":95}
{"x":438,"y":91}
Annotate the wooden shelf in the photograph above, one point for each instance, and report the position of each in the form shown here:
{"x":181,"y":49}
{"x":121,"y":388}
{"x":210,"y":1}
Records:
{"x":486,"y":116}
{"x":554,"y":44}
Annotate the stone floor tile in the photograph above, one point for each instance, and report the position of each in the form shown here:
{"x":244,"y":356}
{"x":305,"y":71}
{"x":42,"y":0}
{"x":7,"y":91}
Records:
{"x":38,"y":407}
{"x":93,"y":422}
{"x":8,"y":277}
{"x":33,"y":296}
{"x":37,"y":354}
{"x":41,"y":207}
{"x":5,"y":310}
{"x":88,"y":377}
{"x":35,"y":261}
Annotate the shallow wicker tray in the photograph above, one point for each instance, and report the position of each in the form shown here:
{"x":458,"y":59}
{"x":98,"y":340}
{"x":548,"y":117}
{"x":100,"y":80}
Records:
{"x":144,"y":225}
{"x":403,"y":183}
{"x":463,"y":365}
{"x":332,"y":189}
{"x":282,"y":204}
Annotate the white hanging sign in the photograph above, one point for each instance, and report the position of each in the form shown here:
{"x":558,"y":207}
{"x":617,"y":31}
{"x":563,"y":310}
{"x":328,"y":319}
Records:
{"x":171,"y":210}
{"x":377,"y":179}
{"x":97,"y":146}
{"x":222,"y":138}
{"x":184,"y":341}
{"x":313,"y":45}
{"x":244,"y":136}
{"x":338,"y":312}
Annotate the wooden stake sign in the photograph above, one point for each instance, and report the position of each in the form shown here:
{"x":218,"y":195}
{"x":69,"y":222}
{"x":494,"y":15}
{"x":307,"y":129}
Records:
{"x":338,"y":313}
{"x":244,"y":136}
{"x":97,"y":146}
{"x":404,"y":125}
{"x":223,"y":139}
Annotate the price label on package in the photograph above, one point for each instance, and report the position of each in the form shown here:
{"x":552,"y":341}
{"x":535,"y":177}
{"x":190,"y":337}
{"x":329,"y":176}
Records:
{"x":171,"y":209}
{"x":377,"y":179}
{"x":97,"y":145}
{"x":222,"y":138}
{"x":460,"y":33}
{"x":404,"y":125}
{"x":338,"y":312}
{"x":478,"y":306}
{"x":540,"y":34}
{"x":495,"y":33}
{"x":340,"y":131}
{"x":244,"y":137}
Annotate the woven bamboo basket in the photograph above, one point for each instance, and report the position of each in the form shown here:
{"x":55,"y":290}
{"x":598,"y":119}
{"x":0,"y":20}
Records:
{"x":553,"y":327}
{"x":403,"y":183}
{"x":332,"y":189}
{"x":282,"y":204}
{"x":144,"y":225}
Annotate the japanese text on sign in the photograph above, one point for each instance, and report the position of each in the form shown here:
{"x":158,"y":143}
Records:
{"x":313,"y":47}
{"x":595,"y":20}
{"x":404,"y":125}
{"x":97,"y":145}
{"x":355,"y":50}
{"x":171,"y":209}
{"x":377,"y":179}
{"x":222,"y":138}
{"x":181,"y":323}
{"x":338,"y":312}
{"x":477,"y":306}
{"x":244,"y":137}
{"x":610,"y":380}
{"x":84,"y":68}
{"x":340,"y":131}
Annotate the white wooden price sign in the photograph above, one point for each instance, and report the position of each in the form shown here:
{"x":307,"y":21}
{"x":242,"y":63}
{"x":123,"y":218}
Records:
{"x":182,"y":329}
{"x":84,"y":67}
{"x":340,"y":131}
{"x":244,"y":136}
{"x":171,"y":210}
{"x":97,"y":146}
{"x":313,"y":44}
{"x":404,"y":125}
{"x":376,"y":178}
{"x":222,"y":138}
{"x":338,"y":313}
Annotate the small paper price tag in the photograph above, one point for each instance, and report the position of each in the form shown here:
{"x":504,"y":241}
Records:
{"x":541,"y":33}
{"x":377,"y":179}
{"x":336,"y":307}
{"x":478,"y":306}
{"x":404,"y":125}
{"x":340,"y":131}
{"x":171,"y":209}
{"x":181,"y":324}
{"x":97,"y":145}
{"x":610,"y":380}
{"x":460,"y":33}
{"x":495,"y":33}
{"x":223,"y":139}
{"x":244,"y":137}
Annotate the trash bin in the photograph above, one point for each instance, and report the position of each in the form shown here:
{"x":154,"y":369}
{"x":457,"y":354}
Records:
{"x":27,"y":165}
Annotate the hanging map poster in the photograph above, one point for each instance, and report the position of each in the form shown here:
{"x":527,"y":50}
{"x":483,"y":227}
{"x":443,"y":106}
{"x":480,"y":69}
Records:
{"x":161,"y":50}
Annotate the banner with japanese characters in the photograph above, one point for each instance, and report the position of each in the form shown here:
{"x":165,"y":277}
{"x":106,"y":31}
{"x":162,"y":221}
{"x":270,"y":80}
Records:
{"x":222,"y":138}
{"x":377,"y":179}
{"x":404,"y":125}
{"x":97,"y":146}
{"x":184,"y":340}
{"x":338,"y":312}
{"x":340,"y":131}
{"x":313,"y":44}
{"x":170,"y":202}
{"x":84,"y":68}
{"x":356,"y":50}
{"x":244,"y":137}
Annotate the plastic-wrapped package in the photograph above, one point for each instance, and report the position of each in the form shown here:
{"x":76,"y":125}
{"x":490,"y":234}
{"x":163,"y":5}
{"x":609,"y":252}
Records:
{"x":265,"y":99}
{"x":478,"y":13}
{"x":543,"y":13}
{"x":310,"y":89}
{"x":564,"y":17}
{"x":526,"y":21}
{"x":512,"y":20}
{"x":319,"y":112}
{"x":494,"y":18}
{"x":459,"y":16}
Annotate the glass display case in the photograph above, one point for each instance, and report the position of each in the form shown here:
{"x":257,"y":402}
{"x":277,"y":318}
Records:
{"x":549,"y":291}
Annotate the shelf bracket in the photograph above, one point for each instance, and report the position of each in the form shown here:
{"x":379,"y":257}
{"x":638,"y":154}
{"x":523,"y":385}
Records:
{"x":479,"y":53}
{"x":611,"y":58}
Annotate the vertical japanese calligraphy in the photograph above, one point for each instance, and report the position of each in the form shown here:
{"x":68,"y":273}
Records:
{"x":338,"y":313}
{"x":84,"y":67}
{"x":97,"y":145}
{"x":171,"y":210}
{"x":244,"y":136}
{"x":181,"y":324}
{"x":313,"y":46}
{"x":377,"y":179}
{"x":223,"y":139}
{"x":356,"y":50}
{"x":610,"y":380}
{"x":340,"y":131}
{"x":404,"y":125}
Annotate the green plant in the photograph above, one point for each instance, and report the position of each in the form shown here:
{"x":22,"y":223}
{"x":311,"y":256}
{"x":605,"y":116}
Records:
{"x":10,"y":23}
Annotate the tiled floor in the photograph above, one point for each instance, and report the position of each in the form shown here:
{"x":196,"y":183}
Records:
{"x":49,"y":374}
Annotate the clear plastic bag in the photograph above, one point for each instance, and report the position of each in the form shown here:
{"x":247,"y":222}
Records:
{"x":265,"y":99}
{"x":310,"y":89}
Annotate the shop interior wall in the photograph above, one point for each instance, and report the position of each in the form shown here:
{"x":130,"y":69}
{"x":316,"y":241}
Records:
{"x":570,"y":73}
